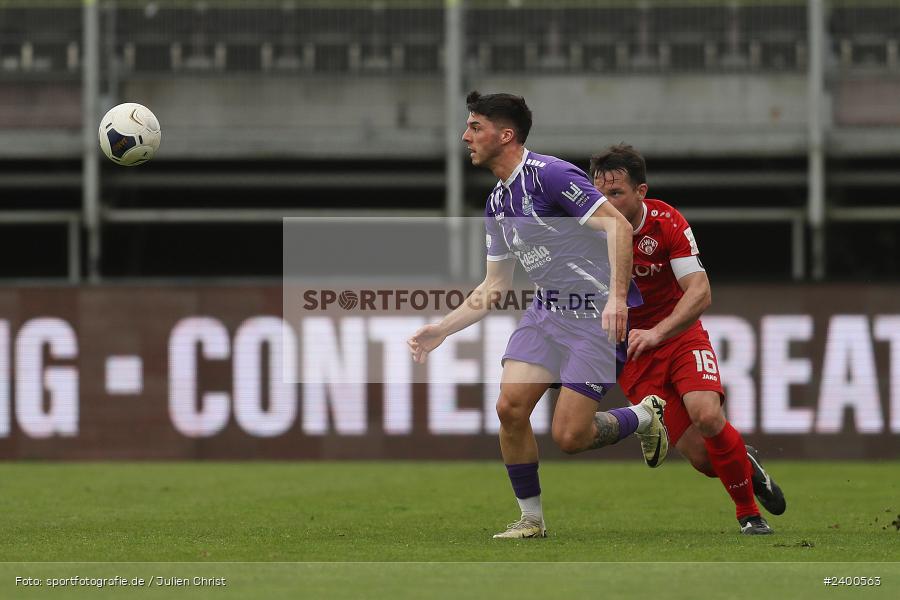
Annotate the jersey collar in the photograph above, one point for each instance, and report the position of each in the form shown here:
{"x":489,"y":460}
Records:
{"x":643,"y":218}
{"x":517,"y":170}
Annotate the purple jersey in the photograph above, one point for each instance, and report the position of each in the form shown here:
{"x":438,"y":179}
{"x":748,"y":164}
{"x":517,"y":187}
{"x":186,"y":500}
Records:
{"x":538,"y":216}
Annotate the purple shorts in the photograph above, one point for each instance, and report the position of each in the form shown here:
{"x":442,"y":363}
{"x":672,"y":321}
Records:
{"x":576,"y":351}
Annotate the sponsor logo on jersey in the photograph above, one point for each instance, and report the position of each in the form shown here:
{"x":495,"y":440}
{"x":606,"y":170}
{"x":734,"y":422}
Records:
{"x":645,"y":270}
{"x":576,"y":195}
{"x":654,"y":212}
{"x":529,"y":255}
{"x":648,"y":245}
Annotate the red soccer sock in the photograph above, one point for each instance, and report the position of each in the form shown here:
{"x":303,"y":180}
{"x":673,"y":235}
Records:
{"x":729,"y":458}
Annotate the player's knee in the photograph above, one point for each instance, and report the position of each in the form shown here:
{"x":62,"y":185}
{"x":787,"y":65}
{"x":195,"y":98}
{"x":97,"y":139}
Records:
{"x":569,"y":441}
{"x":509,"y":411}
{"x":709,"y":419}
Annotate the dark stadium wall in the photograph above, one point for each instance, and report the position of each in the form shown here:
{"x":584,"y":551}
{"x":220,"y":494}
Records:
{"x":199,"y":373}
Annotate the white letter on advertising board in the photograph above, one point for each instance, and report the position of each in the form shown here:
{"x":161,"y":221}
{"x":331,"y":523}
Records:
{"x":735,"y":344}
{"x":887,"y":329}
{"x":393,"y":332}
{"x":779,"y":371}
{"x":61,"y":416}
{"x":211,"y":416}
{"x":342,"y":370}
{"x":4,"y":378}
{"x":848,"y":377}
{"x":445,"y":372}
{"x":252,"y":336}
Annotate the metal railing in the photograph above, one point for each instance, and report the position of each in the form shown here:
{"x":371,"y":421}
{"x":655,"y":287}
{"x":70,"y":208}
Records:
{"x":71,"y":219}
{"x":186,"y":38}
{"x":105,"y":42}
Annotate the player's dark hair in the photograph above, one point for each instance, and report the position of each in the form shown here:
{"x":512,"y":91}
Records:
{"x":507,"y":109}
{"x":622,"y":157}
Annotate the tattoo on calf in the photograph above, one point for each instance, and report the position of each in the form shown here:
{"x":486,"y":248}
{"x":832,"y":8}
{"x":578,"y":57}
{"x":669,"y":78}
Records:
{"x":606,"y":431}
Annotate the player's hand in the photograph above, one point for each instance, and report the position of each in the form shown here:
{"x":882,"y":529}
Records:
{"x":614,"y":320}
{"x":425,"y":340}
{"x":641,"y":340}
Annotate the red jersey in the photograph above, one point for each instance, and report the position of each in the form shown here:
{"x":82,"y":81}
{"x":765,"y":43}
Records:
{"x":664,"y":251}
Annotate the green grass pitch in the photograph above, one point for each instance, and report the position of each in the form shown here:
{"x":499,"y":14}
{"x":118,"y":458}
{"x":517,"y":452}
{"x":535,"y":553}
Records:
{"x":414,"y":529}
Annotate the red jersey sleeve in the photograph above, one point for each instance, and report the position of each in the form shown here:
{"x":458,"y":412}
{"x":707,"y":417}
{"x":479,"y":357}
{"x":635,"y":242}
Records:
{"x":681,"y":239}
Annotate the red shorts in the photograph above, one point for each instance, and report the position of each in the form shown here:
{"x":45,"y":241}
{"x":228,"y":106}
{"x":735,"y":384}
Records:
{"x":686,"y":363}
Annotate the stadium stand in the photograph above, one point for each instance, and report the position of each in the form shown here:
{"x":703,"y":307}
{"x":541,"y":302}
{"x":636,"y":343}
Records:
{"x":324,"y":99}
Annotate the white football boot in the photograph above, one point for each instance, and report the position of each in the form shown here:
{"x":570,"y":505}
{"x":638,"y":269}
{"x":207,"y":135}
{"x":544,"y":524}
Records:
{"x":523,"y":528}
{"x":655,"y":442}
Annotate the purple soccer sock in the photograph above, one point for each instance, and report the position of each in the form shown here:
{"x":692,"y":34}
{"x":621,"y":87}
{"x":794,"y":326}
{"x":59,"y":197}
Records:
{"x":628,"y":421}
{"x":524,"y":478}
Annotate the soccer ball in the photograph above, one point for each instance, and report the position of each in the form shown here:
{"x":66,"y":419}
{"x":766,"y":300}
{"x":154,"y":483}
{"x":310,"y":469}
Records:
{"x":129,"y":134}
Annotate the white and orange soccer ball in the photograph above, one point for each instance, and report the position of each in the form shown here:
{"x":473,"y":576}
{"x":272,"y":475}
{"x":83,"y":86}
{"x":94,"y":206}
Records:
{"x":129,"y":134}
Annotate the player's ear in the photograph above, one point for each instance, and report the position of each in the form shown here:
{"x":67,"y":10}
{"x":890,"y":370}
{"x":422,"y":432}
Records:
{"x":507,"y":135}
{"x":642,"y":190}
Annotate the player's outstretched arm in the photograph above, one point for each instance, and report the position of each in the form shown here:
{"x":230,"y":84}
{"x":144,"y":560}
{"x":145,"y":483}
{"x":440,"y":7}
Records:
{"x":488,"y":293}
{"x":615,"y":315}
{"x":696,"y":299}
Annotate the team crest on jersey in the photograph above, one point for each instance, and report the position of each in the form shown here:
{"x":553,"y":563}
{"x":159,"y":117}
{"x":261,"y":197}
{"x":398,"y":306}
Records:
{"x":648,"y":245}
{"x":487,"y":241}
{"x":526,"y":204}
